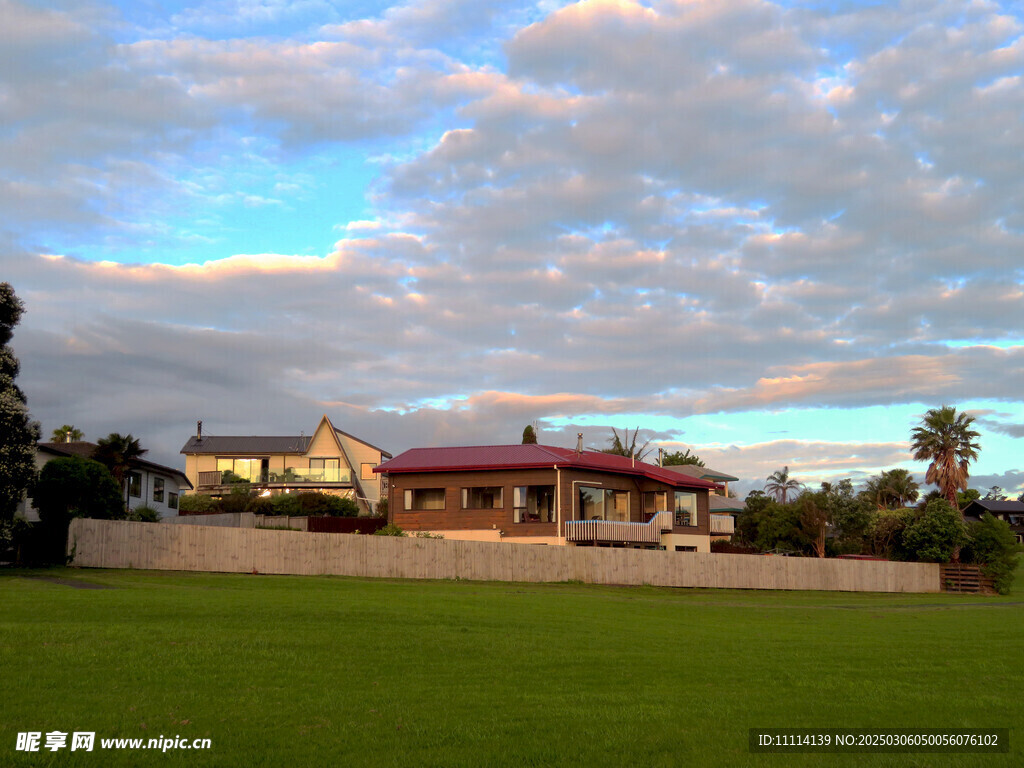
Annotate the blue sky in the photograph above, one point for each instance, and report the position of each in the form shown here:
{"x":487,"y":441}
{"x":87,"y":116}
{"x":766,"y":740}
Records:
{"x":773,"y":233}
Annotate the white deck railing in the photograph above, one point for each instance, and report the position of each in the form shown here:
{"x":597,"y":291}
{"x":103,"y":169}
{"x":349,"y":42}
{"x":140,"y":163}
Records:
{"x":723,"y":524}
{"x":613,"y":531}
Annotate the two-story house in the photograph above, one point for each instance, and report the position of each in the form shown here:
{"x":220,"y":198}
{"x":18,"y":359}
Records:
{"x":329,"y":460}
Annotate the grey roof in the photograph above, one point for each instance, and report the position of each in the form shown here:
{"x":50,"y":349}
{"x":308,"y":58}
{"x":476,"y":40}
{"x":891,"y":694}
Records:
{"x":241,"y":444}
{"x":992,"y":505}
{"x":705,"y":473}
{"x":718,"y":503}
{"x":85,"y":450}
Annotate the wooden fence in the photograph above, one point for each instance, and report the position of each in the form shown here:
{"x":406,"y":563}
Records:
{"x":123,"y":544}
{"x":956,"y":577}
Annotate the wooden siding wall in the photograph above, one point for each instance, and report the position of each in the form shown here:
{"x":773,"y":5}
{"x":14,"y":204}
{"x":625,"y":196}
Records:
{"x":453,"y":517}
{"x":123,"y":544}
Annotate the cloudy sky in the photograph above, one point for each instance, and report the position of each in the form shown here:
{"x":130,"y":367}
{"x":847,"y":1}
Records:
{"x":771,"y":232}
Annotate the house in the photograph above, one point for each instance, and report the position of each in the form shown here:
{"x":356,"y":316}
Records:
{"x":722,"y":508}
{"x":146,"y":483}
{"x":329,"y":461}
{"x":1010,"y":511}
{"x":542,"y":494}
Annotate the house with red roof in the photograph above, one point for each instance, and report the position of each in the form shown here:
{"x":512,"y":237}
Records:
{"x":543,"y":494}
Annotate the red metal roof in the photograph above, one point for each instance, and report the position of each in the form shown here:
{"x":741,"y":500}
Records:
{"x":489,"y":457}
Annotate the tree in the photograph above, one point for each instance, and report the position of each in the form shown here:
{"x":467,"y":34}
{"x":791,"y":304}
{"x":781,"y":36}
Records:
{"x":71,"y":487}
{"x":679,"y":459}
{"x":894,"y":488}
{"x":849,"y":514}
{"x":60,"y":435}
{"x":18,"y":433}
{"x":814,"y":519}
{"x":117,"y":452}
{"x":619,"y":446}
{"x":995,"y":493}
{"x":936,"y":535}
{"x":993,"y":545}
{"x":945,"y":439}
{"x":529,"y":435}
{"x":780,"y":484}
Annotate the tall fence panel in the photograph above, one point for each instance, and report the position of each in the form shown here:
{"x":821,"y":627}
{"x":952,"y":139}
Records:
{"x":124,"y":544}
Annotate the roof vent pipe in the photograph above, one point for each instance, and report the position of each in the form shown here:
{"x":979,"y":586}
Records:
{"x":579,"y":443}
{"x":199,"y":431}
{"x":661,"y":457}
{"x":67,"y":437}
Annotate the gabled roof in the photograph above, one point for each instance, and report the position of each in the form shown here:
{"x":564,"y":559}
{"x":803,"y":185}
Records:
{"x":86,"y":450}
{"x":705,"y":473}
{"x":991,"y":505}
{"x":360,"y":440}
{"x":492,"y":457}
{"x":241,"y":444}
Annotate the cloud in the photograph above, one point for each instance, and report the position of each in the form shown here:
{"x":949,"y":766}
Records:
{"x":667,"y":210}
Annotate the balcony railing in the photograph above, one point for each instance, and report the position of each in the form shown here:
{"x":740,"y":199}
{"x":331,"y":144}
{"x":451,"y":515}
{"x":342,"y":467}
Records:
{"x":723,"y":524}
{"x":293,"y":475}
{"x":614,"y":532}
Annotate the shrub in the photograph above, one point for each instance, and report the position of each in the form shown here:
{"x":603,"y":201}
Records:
{"x":936,"y":535}
{"x":390,"y":530}
{"x":198,"y":503}
{"x":381,"y":510}
{"x":992,"y":544}
{"x":143,"y":514}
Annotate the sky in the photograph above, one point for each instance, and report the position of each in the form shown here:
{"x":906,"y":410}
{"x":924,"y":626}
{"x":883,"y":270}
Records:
{"x":772,"y":233}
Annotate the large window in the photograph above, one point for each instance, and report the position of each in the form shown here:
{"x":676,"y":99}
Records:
{"x":134,"y":481}
{"x":158,"y":489}
{"x":533,"y":503}
{"x":654,"y":502}
{"x":366,"y":471}
{"x":482,"y":498}
{"x":324,"y":470}
{"x":604,"y":504}
{"x":424,"y":498}
{"x":686,"y":508}
{"x":248,"y":470}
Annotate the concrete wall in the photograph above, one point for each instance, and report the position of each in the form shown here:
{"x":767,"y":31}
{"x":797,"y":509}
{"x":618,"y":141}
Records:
{"x":121,"y":544}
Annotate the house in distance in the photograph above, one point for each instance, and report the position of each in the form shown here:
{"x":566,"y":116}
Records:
{"x":329,"y":461}
{"x":542,"y":494}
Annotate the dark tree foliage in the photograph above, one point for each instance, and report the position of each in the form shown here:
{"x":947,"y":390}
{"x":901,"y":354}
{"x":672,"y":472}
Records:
{"x":624,"y":445}
{"x":18,"y":433}
{"x":529,"y":435}
{"x":935,"y":535}
{"x":993,"y":545}
{"x":679,"y":459}
{"x":74,"y":487}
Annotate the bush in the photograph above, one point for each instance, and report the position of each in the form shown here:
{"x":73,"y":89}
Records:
{"x":381,"y":510}
{"x":390,"y":530}
{"x":993,"y":545}
{"x":197,"y":503}
{"x":885,"y":534}
{"x":936,"y":535}
{"x":144,"y":514}
{"x":74,"y":487}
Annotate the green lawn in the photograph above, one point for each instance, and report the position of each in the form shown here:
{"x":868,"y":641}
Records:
{"x":300,"y":671}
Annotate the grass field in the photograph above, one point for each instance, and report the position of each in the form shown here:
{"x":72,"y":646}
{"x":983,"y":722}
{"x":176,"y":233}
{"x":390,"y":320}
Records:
{"x":300,"y":671}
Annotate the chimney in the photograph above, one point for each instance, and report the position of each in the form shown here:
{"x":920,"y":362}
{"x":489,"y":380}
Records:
{"x":199,"y":431}
{"x":661,"y":457}
{"x":579,"y":443}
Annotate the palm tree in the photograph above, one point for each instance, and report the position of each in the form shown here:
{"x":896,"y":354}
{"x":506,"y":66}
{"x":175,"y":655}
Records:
{"x":60,"y":434}
{"x":945,"y":438}
{"x":900,"y":487}
{"x":892,"y":489}
{"x":780,"y":484}
{"x":619,"y":447}
{"x":117,"y":452}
